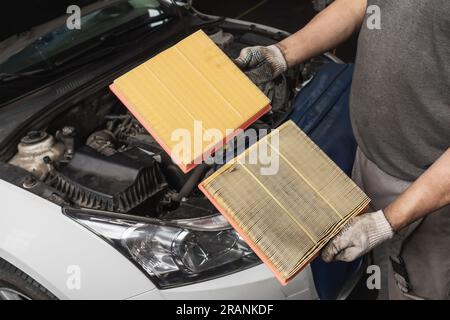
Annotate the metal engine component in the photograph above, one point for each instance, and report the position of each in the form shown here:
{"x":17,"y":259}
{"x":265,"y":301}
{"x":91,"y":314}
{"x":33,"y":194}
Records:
{"x":35,"y":153}
{"x":118,"y":183}
{"x":67,"y":137}
{"x":102,"y":141}
{"x":128,"y":132}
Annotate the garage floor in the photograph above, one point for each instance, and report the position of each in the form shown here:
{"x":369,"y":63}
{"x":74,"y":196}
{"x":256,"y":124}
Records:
{"x":289,"y":15}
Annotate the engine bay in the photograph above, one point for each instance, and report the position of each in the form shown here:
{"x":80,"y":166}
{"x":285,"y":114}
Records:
{"x":98,"y":156}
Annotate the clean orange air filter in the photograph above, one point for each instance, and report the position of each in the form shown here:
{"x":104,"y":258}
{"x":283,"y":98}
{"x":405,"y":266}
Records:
{"x":287,"y":216}
{"x":191,"y":85}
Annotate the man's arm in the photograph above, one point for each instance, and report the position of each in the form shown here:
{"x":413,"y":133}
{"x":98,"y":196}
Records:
{"x":326,"y":31}
{"x":430,"y":192}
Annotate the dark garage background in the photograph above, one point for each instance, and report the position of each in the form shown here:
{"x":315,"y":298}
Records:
{"x":288,"y":15}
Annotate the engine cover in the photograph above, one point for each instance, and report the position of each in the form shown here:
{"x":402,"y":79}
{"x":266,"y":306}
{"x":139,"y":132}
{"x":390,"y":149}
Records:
{"x":118,"y":182}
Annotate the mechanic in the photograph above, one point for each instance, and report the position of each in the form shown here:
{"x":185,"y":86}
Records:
{"x":400,"y":114}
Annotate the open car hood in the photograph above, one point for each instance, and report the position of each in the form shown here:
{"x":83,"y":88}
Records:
{"x":17,"y":17}
{"x":21,"y":24}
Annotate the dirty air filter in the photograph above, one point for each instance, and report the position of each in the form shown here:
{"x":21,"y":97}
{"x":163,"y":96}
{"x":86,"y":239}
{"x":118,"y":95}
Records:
{"x":288,"y":216}
{"x":191,"y":81}
{"x":117,"y":183}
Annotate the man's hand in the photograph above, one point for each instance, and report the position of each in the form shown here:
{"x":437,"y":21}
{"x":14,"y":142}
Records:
{"x":262,"y":64}
{"x":430,"y":192}
{"x":358,"y":237}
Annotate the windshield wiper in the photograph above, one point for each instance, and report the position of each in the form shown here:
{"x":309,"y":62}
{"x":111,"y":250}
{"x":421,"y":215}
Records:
{"x":7,"y":77}
{"x":105,"y":40}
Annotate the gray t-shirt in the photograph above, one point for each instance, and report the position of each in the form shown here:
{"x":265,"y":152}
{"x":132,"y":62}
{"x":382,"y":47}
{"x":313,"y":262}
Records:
{"x":400,"y":99}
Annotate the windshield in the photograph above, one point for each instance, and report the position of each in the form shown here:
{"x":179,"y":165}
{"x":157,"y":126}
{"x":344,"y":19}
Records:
{"x":41,"y":52}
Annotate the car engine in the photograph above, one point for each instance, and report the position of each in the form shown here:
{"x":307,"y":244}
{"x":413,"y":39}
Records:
{"x":98,"y":156}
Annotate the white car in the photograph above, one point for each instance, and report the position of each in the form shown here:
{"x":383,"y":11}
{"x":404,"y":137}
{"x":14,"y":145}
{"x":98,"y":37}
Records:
{"x":91,"y":207}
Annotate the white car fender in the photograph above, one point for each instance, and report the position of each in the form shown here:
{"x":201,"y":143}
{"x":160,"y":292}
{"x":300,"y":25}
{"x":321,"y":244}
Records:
{"x":63,"y":256}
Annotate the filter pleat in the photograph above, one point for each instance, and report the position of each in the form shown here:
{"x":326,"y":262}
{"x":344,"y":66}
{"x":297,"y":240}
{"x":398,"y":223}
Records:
{"x":286,"y":217}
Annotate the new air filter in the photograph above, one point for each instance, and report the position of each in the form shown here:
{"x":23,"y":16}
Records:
{"x":195,"y":87}
{"x":286,"y":216}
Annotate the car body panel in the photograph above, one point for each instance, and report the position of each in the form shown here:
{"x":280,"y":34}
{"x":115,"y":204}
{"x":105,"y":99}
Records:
{"x":254,"y":283}
{"x":71,"y":249}
{"x":51,"y":248}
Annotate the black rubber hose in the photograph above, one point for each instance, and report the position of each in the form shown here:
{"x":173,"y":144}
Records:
{"x":191,"y":183}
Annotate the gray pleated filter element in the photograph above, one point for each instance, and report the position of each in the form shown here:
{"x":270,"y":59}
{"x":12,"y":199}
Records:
{"x":286,"y":198}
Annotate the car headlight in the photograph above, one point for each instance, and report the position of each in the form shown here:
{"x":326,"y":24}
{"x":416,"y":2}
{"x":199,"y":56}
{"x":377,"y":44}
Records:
{"x":174,"y":253}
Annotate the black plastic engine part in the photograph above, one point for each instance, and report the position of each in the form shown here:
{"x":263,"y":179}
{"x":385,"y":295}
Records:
{"x":118,"y":183}
{"x":193,"y":207}
{"x":175,"y":177}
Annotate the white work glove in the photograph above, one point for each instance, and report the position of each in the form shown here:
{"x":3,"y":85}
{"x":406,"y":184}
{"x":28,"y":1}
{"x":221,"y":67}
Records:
{"x":262,"y":64}
{"x":358,"y":237}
